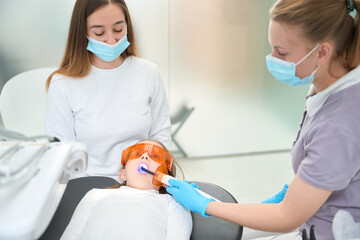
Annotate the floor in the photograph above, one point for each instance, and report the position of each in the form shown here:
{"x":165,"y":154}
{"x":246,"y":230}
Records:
{"x":249,"y":178}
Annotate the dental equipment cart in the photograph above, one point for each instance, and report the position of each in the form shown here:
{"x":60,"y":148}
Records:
{"x":33,"y":177}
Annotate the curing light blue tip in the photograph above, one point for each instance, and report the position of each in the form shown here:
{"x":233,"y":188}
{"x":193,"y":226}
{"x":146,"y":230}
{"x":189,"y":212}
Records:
{"x":142,"y":167}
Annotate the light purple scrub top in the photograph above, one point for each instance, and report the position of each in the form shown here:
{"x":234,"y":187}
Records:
{"x":326,"y":152}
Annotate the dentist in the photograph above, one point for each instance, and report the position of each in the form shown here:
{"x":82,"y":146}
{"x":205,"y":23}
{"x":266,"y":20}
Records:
{"x":102,"y":94}
{"x":318,"y":42}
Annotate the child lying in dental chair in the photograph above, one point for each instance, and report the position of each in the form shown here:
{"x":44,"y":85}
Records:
{"x":140,"y":208}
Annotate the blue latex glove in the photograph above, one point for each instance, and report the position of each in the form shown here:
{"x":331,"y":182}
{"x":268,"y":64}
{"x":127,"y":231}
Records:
{"x":186,"y":195}
{"x":278,"y":197}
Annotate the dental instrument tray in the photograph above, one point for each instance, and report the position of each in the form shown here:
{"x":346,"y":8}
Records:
{"x":33,"y":177}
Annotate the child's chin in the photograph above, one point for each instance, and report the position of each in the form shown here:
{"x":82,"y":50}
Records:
{"x":147,"y":187}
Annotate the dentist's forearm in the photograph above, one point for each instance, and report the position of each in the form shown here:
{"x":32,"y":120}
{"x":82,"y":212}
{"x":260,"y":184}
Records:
{"x":300,"y":203}
{"x":264,"y":217}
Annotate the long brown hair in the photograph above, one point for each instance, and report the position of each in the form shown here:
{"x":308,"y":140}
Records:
{"x":322,"y":20}
{"x":172,"y":173}
{"x":76,"y":61}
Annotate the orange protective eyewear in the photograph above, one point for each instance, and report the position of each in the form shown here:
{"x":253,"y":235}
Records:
{"x":155,"y":152}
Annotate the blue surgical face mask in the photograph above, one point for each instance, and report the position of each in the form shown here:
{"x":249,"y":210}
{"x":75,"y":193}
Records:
{"x":285,"y":71}
{"x":107,"y":52}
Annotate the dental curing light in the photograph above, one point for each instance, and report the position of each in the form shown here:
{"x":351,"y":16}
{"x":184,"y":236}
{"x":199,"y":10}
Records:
{"x":164,"y":178}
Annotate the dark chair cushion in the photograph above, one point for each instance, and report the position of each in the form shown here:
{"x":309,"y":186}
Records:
{"x":74,"y":192}
{"x":212,"y":228}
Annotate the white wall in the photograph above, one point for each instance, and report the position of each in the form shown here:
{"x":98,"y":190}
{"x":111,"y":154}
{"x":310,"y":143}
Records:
{"x":215,"y":61}
{"x":151,"y":25}
{"x":211,"y":54}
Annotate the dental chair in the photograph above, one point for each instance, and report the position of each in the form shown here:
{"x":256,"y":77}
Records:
{"x":209,"y":228}
{"x":22,"y":101}
{"x":74,"y":192}
{"x":212,"y":228}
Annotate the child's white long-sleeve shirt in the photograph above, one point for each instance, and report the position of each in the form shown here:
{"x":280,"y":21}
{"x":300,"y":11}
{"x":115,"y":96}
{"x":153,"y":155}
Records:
{"x":129,"y":213}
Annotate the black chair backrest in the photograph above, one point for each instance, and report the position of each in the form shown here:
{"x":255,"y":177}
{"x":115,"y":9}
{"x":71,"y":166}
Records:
{"x":212,"y":228}
{"x":74,"y":192}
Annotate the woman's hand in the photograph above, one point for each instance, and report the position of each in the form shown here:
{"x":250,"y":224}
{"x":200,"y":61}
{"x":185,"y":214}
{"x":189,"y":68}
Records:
{"x":186,"y":195}
{"x":300,"y":202}
{"x":278,"y":197}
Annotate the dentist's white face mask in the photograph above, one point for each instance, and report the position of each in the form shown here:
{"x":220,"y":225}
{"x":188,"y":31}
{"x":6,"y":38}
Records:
{"x":285,"y":71}
{"x":107,"y":52}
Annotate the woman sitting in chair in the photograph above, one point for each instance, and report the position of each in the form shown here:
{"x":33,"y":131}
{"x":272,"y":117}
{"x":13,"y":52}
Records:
{"x":137,"y":209}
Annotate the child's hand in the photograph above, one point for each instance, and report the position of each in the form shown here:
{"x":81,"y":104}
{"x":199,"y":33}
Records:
{"x":186,"y":195}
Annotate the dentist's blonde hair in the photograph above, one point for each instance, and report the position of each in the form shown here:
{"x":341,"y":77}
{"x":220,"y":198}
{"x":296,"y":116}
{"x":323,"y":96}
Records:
{"x":324,"y":20}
